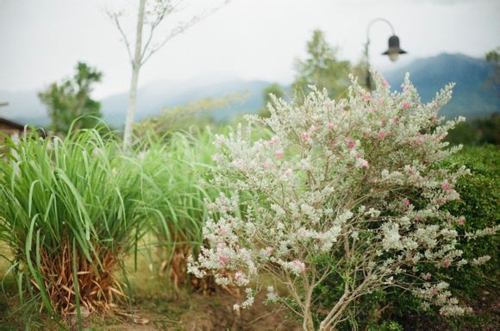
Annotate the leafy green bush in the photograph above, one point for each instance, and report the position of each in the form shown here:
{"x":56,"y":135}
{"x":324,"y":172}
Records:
{"x":480,"y":205}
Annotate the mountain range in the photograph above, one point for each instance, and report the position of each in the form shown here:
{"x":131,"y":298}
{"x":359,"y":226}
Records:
{"x":470,"y":96}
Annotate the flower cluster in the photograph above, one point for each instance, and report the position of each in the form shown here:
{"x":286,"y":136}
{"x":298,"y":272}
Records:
{"x":356,"y":180}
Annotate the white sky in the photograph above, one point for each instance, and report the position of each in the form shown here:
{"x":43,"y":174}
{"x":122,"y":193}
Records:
{"x":42,"y":40}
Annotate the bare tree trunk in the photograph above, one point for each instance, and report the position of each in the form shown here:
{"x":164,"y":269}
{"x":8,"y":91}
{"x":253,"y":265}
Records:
{"x":136,"y":66}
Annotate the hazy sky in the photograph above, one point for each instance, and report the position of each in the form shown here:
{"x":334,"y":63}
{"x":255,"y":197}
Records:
{"x":42,"y":40}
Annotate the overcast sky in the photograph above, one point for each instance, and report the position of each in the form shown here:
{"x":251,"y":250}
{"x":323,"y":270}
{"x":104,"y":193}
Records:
{"x":42,"y":40}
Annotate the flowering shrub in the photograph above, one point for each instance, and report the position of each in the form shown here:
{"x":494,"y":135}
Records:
{"x":355,"y":182}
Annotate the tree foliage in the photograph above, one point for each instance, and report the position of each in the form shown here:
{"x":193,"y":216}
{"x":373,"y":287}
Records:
{"x":321,"y":68}
{"x":71,"y":99}
{"x":493,"y":81}
{"x":481,"y":131}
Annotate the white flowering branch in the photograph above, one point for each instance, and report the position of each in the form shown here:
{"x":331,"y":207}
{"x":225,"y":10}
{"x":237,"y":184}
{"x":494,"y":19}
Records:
{"x":355,"y":182}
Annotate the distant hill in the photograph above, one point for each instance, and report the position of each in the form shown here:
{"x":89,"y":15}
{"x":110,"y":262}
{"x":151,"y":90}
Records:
{"x":24,"y":108}
{"x":470,"y":98}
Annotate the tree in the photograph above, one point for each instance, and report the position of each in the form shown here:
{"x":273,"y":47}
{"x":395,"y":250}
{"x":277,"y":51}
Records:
{"x":321,"y":68}
{"x":71,"y":99}
{"x":150,"y":15}
{"x":493,"y":81}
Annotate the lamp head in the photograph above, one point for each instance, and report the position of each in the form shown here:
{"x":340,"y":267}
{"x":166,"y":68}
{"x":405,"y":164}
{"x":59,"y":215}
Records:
{"x":394,"y":49}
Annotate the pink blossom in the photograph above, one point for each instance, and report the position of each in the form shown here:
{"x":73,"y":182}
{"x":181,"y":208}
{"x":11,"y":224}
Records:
{"x":365,"y":164}
{"x":260,"y":210}
{"x":381,"y":134}
{"x":306,"y":135}
{"x":418,"y":218}
{"x":367,"y":96}
{"x":330,"y":126}
{"x":461,"y":221}
{"x":314,"y":128}
{"x":279,"y":154}
{"x":223,"y":259}
{"x":406,"y":105}
{"x":385,"y":83}
{"x":288,"y":172}
{"x":272,"y":142}
{"x":445,"y":186}
{"x":351,"y":144}
{"x":220,"y":141}
{"x":238,"y":275}
{"x":406,"y":203}
{"x":446,"y":264}
{"x":223,"y":230}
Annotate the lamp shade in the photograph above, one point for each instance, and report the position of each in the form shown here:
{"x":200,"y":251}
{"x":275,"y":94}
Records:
{"x":394,"y":49}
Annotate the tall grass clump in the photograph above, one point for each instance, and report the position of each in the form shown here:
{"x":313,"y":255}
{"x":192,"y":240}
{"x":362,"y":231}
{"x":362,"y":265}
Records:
{"x":69,"y":212}
{"x":174,"y":173}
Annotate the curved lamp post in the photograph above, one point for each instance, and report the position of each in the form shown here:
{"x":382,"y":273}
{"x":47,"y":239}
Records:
{"x":393,"y":51}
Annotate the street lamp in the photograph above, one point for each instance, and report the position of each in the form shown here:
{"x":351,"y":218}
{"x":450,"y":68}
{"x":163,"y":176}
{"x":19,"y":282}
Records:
{"x":393,"y":51}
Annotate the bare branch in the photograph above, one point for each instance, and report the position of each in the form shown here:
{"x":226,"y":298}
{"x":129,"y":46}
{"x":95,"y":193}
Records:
{"x":183,"y":26}
{"x":114,"y":17}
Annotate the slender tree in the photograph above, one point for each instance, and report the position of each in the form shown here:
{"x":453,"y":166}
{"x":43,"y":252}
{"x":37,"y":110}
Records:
{"x":149,"y":38}
{"x":71,"y":99}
